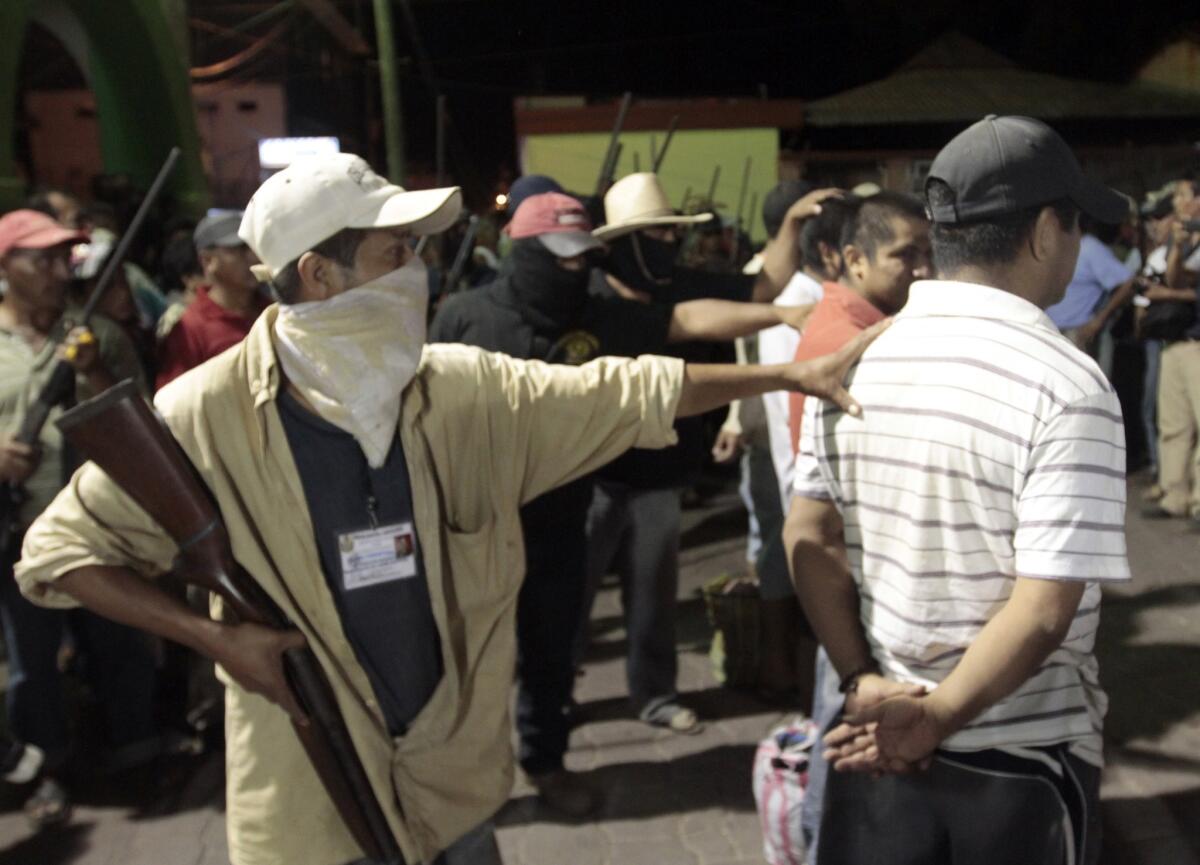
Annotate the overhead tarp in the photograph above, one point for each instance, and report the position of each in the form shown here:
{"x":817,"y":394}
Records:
{"x":957,"y":80}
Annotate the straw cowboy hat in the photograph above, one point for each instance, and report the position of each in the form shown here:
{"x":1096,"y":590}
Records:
{"x":638,"y":201}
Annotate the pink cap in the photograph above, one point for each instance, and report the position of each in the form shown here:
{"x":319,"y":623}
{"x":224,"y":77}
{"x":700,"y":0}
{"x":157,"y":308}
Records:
{"x":558,"y":221}
{"x":32,"y":229}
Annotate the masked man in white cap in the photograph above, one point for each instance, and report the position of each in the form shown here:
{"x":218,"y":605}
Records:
{"x":333,"y":425}
{"x":633,"y":525}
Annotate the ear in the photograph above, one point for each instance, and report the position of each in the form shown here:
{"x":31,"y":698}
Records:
{"x":831,"y":257}
{"x":854,"y":261}
{"x":1045,"y":236}
{"x":318,"y":279}
{"x":206,"y":257}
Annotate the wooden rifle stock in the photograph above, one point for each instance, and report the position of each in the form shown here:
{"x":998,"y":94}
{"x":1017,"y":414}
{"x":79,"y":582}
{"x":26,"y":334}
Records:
{"x":121,"y":434}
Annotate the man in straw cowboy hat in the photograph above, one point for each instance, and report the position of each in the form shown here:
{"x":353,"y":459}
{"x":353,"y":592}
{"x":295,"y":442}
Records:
{"x":633,"y":524}
{"x":541,"y":309}
{"x":331,"y":422}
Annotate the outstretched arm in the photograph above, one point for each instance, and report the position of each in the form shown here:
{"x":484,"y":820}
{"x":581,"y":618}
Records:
{"x":723,"y":320}
{"x":708,"y":386}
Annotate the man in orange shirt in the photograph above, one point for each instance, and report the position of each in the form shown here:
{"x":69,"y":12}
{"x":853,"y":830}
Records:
{"x":885,"y":248}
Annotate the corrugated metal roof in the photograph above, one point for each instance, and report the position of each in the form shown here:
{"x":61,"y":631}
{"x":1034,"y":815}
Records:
{"x":958,"y":80}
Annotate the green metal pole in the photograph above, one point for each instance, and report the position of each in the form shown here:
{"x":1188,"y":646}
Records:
{"x":389,"y":87}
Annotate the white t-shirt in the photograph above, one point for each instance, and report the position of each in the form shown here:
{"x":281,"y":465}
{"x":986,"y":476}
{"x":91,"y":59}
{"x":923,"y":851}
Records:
{"x":778,"y":345}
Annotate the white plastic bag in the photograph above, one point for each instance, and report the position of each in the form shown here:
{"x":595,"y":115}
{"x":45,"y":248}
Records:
{"x":780,"y":779}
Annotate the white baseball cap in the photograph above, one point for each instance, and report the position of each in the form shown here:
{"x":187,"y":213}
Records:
{"x":313,"y":199}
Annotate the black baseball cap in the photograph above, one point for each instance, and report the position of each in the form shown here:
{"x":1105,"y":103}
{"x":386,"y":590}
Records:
{"x":1004,"y":164}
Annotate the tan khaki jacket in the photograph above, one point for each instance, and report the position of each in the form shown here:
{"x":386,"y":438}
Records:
{"x":482,"y":434}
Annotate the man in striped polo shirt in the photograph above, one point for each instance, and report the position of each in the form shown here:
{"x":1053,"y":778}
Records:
{"x":954,"y":536}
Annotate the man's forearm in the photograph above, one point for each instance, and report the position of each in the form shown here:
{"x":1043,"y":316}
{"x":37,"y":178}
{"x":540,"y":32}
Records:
{"x":816,"y":553}
{"x":709,"y":386}
{"x":1181,"y":295}
{"x":1121,"y":295}
{"x":1008,"y":650}
{"x":781,"y":257}
{"x":121,"y":595}
{"x":719,"y":320}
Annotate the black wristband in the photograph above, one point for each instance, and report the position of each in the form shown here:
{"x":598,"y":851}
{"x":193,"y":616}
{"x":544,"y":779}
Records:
{"x":849,"y":683}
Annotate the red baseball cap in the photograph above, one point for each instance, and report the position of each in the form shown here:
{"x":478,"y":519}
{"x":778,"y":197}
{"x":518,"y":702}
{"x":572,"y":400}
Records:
{"x":558,"y":221}
{"x":32,"y":229}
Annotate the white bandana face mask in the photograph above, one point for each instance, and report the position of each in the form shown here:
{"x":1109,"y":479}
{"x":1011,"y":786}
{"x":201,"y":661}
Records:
{"x":352,"y":355}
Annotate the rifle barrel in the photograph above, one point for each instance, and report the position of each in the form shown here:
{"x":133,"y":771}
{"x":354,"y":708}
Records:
{"x":118,"y":254}
{"x":712,"y":188}
{"x":658,"y":159}
{"x":608,"y":166}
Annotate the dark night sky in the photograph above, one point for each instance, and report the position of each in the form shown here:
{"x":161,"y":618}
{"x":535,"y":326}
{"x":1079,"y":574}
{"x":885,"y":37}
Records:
{"x":485,"y":52}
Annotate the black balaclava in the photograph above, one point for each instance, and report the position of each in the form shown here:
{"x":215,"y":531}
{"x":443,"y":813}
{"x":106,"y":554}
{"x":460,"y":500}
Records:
{"x":643,"y":263}
{"x":551,"y":298}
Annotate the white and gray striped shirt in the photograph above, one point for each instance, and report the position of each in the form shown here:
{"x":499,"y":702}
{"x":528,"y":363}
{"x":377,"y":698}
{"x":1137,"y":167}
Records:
{"x":989,"y":447}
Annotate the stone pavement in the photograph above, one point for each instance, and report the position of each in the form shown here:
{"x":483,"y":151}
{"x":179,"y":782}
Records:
{"x":686,"y":799}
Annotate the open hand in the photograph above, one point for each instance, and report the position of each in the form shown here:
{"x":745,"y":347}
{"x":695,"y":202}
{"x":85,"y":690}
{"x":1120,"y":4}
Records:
{"x":824,"y":376}
{"x":810,"y":205}
{"x":897,"y":735}
{"x":853,"y":746}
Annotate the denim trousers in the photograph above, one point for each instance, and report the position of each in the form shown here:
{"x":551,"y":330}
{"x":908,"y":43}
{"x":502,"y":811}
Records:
{"x":120,"y":668}
{"x":634,"y":533}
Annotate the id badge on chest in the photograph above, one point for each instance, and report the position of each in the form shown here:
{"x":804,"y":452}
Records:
{"x":378,"y":555}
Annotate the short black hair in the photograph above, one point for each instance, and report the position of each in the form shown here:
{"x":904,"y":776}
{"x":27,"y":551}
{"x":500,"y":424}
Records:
{"x":826,"y":227}
{"x":779,"y":200}
{"x":340,"y":248}
{"x":871,"y":226}
{"x":179,"y":260}
{"x":994,"y":241}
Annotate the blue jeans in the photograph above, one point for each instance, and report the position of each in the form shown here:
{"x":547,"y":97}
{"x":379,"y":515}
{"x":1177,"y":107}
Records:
{"x":827,"y":706}
{"x":120,"y":666}
{"x":1153,"y":349}
{"x":635,"y":533}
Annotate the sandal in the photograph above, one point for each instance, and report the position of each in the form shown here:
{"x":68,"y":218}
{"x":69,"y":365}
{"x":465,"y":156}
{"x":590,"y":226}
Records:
{"x":49,"y":805}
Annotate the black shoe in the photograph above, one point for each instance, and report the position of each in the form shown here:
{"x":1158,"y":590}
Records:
{"x":566,"y":793}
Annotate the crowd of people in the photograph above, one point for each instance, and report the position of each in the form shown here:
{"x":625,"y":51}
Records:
{"x":928,"y":544}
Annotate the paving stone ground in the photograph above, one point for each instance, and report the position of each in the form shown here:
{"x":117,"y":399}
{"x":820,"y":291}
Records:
{"x":686,"y":799}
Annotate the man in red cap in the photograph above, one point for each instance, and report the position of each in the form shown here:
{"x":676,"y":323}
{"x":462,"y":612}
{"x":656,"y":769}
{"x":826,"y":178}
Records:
{"x":542,"y":310}
{"x":35,"y":264}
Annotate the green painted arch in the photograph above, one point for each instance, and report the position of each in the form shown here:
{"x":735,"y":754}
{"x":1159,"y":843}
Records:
{"x":138,"y":71}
